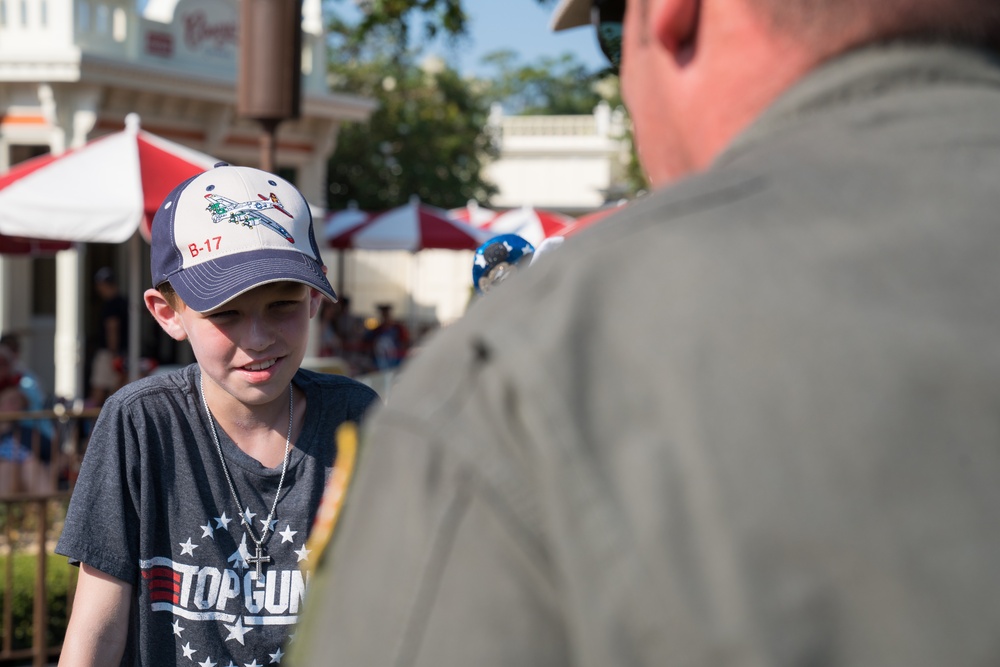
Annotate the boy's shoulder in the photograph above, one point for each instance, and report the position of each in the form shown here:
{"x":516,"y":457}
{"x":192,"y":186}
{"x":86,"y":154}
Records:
{"x":181,"y":380}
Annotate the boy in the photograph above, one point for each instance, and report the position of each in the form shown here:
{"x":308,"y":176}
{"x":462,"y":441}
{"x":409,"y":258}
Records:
{"x":199,"y":486}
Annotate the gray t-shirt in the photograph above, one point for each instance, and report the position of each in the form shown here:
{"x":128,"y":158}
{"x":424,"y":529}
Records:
{"x":152,"y":508}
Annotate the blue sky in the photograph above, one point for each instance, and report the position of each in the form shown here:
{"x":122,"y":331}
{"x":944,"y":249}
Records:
{"x":522,"y":26}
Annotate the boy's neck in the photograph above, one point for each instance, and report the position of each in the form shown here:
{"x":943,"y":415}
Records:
{"x":260,"y":431}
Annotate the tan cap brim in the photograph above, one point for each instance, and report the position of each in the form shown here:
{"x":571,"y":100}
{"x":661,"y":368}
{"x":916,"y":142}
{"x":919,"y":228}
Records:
{"x":570,"y":14}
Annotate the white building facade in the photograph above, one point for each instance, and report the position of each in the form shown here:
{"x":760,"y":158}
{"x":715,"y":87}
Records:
{"x":572,"y":164}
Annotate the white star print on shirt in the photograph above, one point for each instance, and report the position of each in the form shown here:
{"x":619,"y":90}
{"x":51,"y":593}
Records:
{"x":287,"y":534}
{"x":248,"y":516}
{"x":177,"y":627}
{"x":269,"y":528}
{"x":188,"y":651}
{"x":222,"y":521}
{"x":253,"y":664}
{"x":188,"y":547}
{"x":207,"y":530}
{"x":276,"y":657}
{"x":208,"y":663}
{"x":236,"y":631}
{"x":303,"y":553}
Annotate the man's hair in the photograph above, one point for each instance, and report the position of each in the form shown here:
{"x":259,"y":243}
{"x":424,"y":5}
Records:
{"x":834,"y":25}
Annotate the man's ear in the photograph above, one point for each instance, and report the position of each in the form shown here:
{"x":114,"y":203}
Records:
{"x":165,"y":314}
{"x":675,"y":24}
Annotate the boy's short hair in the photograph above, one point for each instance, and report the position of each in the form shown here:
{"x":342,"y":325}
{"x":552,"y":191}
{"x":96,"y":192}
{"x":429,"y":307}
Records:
{"x":230,"y":229}
{"x":166,"y":290}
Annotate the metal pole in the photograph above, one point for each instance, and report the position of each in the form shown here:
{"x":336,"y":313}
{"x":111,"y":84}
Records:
{"x":268,"y":143}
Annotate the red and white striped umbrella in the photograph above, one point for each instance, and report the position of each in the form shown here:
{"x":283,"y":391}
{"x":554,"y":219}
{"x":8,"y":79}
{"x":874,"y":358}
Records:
{"x":340,"y":222}
{"x":532,"y":224}
{"x":100,"y":192}
{"x":413,"y":226}
{"x":474,"y":214}
{"x":15,"y":245}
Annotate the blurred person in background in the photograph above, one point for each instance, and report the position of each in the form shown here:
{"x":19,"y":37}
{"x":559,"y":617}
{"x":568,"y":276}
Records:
{"x":108,"y":370}
{"x":389,"y":341}
{"x":25,"y":451}
{"x":752,"y":422}
{"x":14,"y":372}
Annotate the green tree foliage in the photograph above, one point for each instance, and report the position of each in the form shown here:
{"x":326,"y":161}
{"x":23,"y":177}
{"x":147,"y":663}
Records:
{"x":426,"y":138}
{"x":561,"y":85}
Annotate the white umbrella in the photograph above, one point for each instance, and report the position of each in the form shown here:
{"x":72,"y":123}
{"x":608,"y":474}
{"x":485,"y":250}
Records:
{"x":98,"y":193}
{"x":101,"y":192}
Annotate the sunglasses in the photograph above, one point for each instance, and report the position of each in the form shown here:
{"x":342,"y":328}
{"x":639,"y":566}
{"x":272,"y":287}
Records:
{"x":607,"y":17}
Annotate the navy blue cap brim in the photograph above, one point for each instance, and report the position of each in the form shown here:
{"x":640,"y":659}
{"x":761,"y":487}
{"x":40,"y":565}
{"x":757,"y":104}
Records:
{"x":207,"y":286}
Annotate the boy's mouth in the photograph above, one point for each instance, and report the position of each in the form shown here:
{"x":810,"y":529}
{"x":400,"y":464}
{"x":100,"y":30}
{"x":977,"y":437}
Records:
{"x":260,"y":365}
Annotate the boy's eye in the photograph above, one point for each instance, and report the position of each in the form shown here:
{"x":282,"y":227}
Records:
{"x":221,"y":315}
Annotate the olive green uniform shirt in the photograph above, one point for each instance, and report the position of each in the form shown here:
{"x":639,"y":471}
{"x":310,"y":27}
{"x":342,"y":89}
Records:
{"x":752,"y":420}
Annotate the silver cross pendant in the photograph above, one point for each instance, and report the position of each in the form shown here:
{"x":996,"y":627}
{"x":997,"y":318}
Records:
{"x":258,"y":559}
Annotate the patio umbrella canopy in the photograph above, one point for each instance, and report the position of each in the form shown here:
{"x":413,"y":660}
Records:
{"x":340,"y":222}
{"x":99,"y":193}
{"x":15,"y":245}
{"x":532,"y":224}
{"x":473,"y":214}
{"x":411,"y":227}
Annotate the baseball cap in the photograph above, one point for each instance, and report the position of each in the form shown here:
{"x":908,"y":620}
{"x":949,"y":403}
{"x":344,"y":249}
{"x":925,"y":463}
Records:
{"x":230,"y":229}
{"x":105,"y":274}
{"x":570,"y":14}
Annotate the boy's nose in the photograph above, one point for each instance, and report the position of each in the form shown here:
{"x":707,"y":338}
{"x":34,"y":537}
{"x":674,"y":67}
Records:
{"x":260,"y":334}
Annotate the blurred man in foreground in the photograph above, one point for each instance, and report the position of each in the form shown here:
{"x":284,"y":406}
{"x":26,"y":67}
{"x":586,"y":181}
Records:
{"x":753,"y":420}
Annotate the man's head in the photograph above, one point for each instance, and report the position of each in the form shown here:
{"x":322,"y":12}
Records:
{"x":696,"y":73}
{"x":230,"y":229}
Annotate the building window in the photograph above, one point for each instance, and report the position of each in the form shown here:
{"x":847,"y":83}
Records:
{"x":24,"y":13}
{"x":43,"y":10}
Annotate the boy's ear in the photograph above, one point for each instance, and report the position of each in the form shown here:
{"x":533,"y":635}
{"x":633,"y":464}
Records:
{"x":165,"y":314}
{"x":315,"y":301}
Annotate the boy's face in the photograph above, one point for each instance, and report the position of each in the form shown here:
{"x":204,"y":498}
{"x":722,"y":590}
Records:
{"x":251,"y":346}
